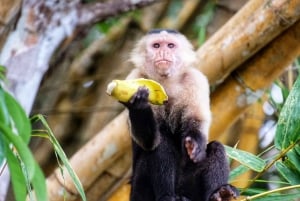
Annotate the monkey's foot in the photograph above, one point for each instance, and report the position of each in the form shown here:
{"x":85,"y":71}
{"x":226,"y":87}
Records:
{"x":224,"y":193}
{"x":193,"y":150}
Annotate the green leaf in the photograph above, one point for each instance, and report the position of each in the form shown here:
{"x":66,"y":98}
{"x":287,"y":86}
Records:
{"x":297,"y":149}
{"x":4,"y":115}
{"x":21,"y":148}
{"x":2,"y":151}
{"x":20,"y":119}
{"x":290,"y":175}
{"x":247,"y":159}
{"x":17,"y":177}
{"x":39,"y":184}
{"x":237,"y":172}
{"x":2,"y":73}
{"x":58,"y":149}
{"x":288,"y":127}
{"x":294,"y":158}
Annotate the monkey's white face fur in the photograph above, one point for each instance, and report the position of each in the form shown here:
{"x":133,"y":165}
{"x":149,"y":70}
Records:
{"x":160,"y":55}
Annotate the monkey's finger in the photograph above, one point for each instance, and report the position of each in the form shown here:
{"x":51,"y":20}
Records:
{"x":140,"y":99}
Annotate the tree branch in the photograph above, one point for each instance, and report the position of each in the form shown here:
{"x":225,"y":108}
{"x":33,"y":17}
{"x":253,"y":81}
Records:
{"x":95,"y":12}
{"x":41,"y":28}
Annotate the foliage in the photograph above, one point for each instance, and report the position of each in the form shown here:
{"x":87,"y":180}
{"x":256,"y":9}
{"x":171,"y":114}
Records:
{"x":15,"y":134}
{"x":62,"y":158}
{"x":203,"y":20}
{"x":287,"y":158}
{"x":15,"y":131}
{"x":174,"y":8}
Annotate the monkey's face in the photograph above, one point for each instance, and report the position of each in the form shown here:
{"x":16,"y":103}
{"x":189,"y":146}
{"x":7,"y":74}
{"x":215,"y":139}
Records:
{"x":162,"y":56}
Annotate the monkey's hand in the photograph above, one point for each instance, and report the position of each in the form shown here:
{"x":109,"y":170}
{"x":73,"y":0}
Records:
{"x":195,"y":152}
{"x":224,"y":193}
{"x":139,"y":100}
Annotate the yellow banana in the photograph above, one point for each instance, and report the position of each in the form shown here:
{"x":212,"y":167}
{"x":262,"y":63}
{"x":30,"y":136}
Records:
{"x":123,"y":90}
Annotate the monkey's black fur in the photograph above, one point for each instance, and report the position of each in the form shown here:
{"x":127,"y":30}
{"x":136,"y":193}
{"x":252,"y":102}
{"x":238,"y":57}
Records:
{"x":207,"y":180}
{"x":162,"y":170}
{"x":154,"y":175}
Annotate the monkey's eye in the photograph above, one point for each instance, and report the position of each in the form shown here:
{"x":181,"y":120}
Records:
{"x":171,"y":45}
{"x":156,"y":45}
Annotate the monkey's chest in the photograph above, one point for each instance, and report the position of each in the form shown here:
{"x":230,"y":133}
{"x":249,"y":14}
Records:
{"x":170,"y":118}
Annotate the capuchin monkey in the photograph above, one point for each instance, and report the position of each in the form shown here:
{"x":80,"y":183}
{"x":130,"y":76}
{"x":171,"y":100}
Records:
{"x":171,"y":158}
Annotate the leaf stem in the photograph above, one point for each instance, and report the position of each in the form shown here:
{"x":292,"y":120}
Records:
{"x":270,"y":192}
{"x":280,"y":155}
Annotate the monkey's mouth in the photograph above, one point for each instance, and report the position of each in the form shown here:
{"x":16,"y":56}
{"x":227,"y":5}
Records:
{"x":163,"y":67}
{"x":163,"y":63}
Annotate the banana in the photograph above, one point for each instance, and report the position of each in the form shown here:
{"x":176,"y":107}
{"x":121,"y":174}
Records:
{"x":123,"y":90}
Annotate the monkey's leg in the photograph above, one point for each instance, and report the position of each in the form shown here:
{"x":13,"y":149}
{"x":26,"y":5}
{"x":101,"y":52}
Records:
{"x":154,"y":173}
{"x":143,"y":125}
{"x":164,"y":165}
{"x":141,"y":187}
{"x":218,"y":174}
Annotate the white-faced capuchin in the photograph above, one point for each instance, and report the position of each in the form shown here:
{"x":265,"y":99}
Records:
{"x":171,"y":158}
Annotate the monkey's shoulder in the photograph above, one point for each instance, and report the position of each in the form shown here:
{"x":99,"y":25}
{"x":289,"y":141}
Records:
{"x":193,"y":75}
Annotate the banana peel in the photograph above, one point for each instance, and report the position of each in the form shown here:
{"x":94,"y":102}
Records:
{"x":123,"y":90}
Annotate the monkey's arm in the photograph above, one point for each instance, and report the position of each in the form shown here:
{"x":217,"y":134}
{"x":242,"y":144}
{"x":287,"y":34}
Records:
{"x":197,"y":116}
{"x":144,"y":129}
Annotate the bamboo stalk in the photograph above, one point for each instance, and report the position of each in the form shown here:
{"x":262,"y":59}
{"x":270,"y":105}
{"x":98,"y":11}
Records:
{"x":114,"y":176}
{"x":255,"y":25}
{"x":238,"y":92}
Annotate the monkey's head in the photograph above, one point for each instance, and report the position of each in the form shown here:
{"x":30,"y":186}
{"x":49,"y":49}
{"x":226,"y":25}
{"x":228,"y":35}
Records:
{"x":163,"y":53}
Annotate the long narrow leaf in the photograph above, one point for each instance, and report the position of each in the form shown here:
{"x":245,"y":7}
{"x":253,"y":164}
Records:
{"x":4,"y":115}
{"x":21,"y":148}
{"x":2,"y":151}
{"x":294,"y":158}
{"x":17,"y":177}
{"x":58,"y":149}
{"x":18,"y":116}
{"x":290,"y":175}
{"x":288,"y":127}
{"x":247,"y":159}
{"x":237,"y":172}
{"x":39,"y":184}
